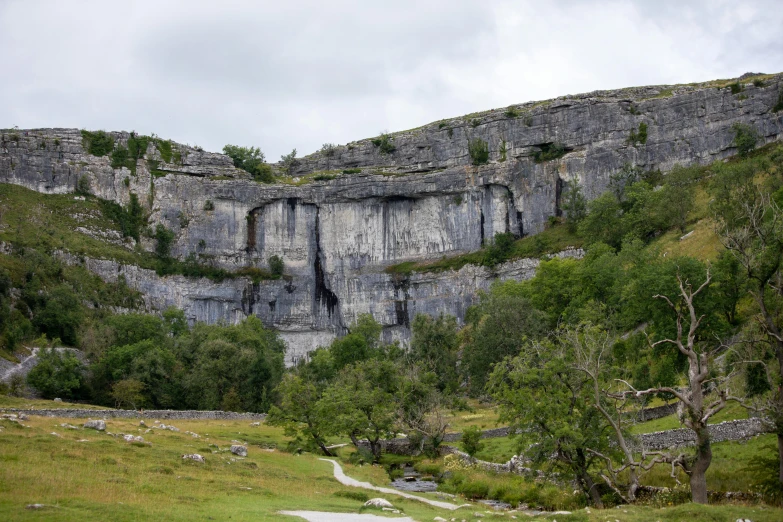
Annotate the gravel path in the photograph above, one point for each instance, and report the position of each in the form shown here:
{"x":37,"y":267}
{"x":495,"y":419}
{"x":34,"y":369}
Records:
{"x":344,"y":479}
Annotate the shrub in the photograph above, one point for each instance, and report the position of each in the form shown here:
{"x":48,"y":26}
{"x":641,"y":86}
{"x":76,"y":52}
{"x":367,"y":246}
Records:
{"x":328,"y":149}
{"x":119,"y":157}
{"x":276,"y":265}
{"x":164,"y":147}
{"x":251,"y":160}
{"x":450,"y":132}
{"x":758,"y":82}
{"x":503,"y":150}
{"x":779,"y":105}
{"x":324,"y":177}
{"x":442,"y":124}
{"x":736,"y":88}
{"x":479,"y":151}
{"x":745,"y":138}
{"x":57,"y":374}
{"x":471,"y":440}
{"x":83,"y":186}
{"x":98,"y":143}
{"x":512,"y":112}
{"x":475,"y":122}
{"x":126,"y":181}
{"x":289,"y":161}
{"x":164,"y":239}
{"x":639,"y":137}
{"x":208,"y":205}
{"x":549,"y":151}
{"x":130,"y":219}
{"x":474,"y":489}
{"x":352,"y":171}
{"x":384,"y":143}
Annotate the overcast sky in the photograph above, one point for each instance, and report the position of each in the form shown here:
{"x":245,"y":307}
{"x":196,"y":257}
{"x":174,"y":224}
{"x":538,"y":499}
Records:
{"x":283,"y":75}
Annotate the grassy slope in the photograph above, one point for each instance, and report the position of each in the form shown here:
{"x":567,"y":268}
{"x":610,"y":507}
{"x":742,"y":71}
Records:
{"x":107,"y":478}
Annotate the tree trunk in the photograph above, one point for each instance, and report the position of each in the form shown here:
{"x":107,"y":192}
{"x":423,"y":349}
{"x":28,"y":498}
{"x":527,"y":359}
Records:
{"x":698,"y":470}
{"x":326,"y":451}
{"x":591,"y":489}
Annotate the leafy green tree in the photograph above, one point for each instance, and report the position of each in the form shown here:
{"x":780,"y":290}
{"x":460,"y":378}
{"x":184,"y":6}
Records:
{"x":434,"y":345}
{"x":301,"y":412}
{"x":575,"y":206}
{"x":550,"y":407}
{"x":251,"y":160}
{"x":360,"y":402}
{"x":164,"y":239}
{"x":471,"y":440}
{"x":61,"y":316}
{"x":745,"y":138}
{"x":127,"y":393}
{"x":498,"y":326}
{"x":276,"y":265}
{"x":603,"y":221}
{"x":289,"y":162}
{"x":58,"y":373}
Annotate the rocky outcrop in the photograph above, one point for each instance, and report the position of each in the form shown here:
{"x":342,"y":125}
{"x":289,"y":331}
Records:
{"x":416,"y":196}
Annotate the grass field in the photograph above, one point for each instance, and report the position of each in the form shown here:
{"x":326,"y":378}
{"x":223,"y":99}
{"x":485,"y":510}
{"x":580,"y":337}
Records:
{"x":84,"y":474}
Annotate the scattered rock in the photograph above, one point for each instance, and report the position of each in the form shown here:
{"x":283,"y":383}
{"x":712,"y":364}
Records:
{"x":378,"y":503}
{"x":55,"y":434}
{"x":194,"y":456}
{"x":238,"y":450}
{"x":22,"y":416}
{"x":744,"y":520}
{"x":255,"y":424}
{"x":439,"y":519}
{"x":142,"y":423}
{"x":131,"y":438}
{"x":95,"y":425}
{"x":166,"y":427}
{"x":35,"y":506}
{"x":69,"y":426}
{"x":57,"y":399}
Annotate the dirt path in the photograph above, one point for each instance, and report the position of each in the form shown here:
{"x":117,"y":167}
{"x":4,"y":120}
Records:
{"x":342,"y":478}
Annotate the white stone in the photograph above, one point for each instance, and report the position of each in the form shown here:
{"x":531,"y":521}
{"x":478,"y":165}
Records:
{"x":378,"y":503}
{"x":239,"y":450}
{"x":95,"y":425}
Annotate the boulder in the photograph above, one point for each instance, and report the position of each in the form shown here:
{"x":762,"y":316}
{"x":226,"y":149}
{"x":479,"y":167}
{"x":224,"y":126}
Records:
{"x":194,"y":456}
{"x":95,"y":425}
{"x":378,"y":503}
{"x":239,"y":450}
{"x":131,"y":438}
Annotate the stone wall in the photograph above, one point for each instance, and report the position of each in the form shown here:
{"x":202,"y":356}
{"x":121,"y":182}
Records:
{"x":724,"y":431}
{"x":75,"y":413}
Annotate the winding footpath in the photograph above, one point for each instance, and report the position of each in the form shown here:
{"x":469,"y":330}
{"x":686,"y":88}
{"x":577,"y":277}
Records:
{"x":344,"y":479}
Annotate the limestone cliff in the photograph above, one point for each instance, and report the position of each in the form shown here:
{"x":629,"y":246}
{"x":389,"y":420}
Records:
{"x":416,"y":196}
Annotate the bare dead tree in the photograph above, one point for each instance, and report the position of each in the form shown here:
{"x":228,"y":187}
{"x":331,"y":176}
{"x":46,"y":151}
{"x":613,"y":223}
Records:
{"x":696,"y":410}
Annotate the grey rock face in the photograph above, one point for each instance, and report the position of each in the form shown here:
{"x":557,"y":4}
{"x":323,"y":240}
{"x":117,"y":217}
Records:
{"x":422,"y":201}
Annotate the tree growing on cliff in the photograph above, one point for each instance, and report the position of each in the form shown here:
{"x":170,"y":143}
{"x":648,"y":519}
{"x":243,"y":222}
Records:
{"x":251,"y":160}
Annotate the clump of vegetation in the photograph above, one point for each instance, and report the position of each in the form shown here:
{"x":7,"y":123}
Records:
{"x":512,"y":112}
{"x":276,"y":265}
{"x":450,"y":132}
{"x":745,"y":138}
{"x":289,"y":161}
{"x":352,"y":171}
{"x":130,"y":220}
{"x":83,"y":186}
{"x":58,"y":373}
{"x":324,"y":177}
{"x":471,"y":440}
{"x":384,"y":143}
{"x":165,"y":149}
{"x":98,"y":143}
{"x":736,"y":88}
{"x":549,"y":152}
{"x":251,"y":160}
{"x":328,"y":149}
{"x":639,"y":137}
{"x":779,"y":105}
{"x":478,"y":150}
{"x":209,"y":205}
{"x":503,"y":150}
{"x":475,"y":122}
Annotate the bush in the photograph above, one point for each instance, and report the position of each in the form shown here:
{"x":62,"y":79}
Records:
{"x":83,"y":187}
{"x":164,"y":239}
{"x":276,"y":265}
{"x":745,"y":138}
{"x":640,"y":137}
{"x":208,"y":205}
{"x":384,"y":143}
{"x":512,"y":112}
{"x":736,"y":88}
{"x":251,"y":160}
{"x":779,"y":105}
{"x":352,"y":171}
{"x":130,"y":220}
{"x":57,"y":374}
{"x":328,"y":149}
{"x":289,"y":161}
{"x":98,"y":143}
{"x":471,"y":440}
{"x":479,"y":151}
{"x":549,"y":151}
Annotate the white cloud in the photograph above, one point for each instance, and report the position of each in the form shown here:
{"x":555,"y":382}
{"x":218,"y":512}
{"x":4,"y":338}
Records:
{"x":298,"y":74}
